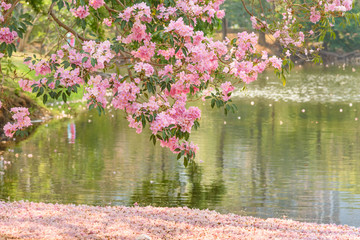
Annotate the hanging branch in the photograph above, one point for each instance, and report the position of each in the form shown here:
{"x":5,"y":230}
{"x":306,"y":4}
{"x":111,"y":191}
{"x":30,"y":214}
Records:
{"x":61,"y":24}
{"x":9,"y":11}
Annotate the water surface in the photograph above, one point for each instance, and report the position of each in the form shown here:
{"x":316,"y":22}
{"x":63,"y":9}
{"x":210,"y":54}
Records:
{"x":289,"y":152}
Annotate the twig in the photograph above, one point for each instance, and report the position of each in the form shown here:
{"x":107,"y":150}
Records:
{"x":120,"y":3}
{"x":243,"y":3}
{"x":110,"y":9}
{"x":9,"y":11}
{"x":69,"y":29}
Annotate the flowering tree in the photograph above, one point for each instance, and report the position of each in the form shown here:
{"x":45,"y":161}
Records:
{"x":168,"y":56}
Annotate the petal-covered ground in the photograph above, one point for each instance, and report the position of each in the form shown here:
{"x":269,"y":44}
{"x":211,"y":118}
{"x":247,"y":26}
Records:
{"x":28,"y":220}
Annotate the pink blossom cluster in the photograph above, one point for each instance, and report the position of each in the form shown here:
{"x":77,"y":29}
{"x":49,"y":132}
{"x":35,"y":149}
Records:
{"x":7,"y":36}
{"x":180,"y":28}
{"x":27,"y":220}
{"x":97,"y":56}
{"x":167,"y":54}
{"x":338,"y":5}
{"x":81,"y":12}
{"x":0,"y":104}
{"x":175,"y":146}
{"x":107,"y":22}
{"x":283,"y":30}
{"x":205,"y":11}
{"x":4,"y":6}
{"x":165,"y":12}
{"x":257,"y":24}
{"x":96,"y":3}
{"x":26,"y":84}
{"x":41,"y":68}
{"x":248,"y":69}
{"x":126,"y":95}
{"x":139,"y":11}
{"x":177,"y":115}
{"x":227,"y":89}
{"x":146,"y":52}
{"x":135,"y":124}
{"x":69,"y":78}
{"x":315,"y":15}
{"x":148,"y":69}
{"x":22,"y":121}
{"x":247,"y":43}
{"x":316,"y":10}
{"x":276,"y":62}
{"x":138,"y":33}
{"x":97,"y":90}
{"x":100,"y":51}
{"x":188,"y":146}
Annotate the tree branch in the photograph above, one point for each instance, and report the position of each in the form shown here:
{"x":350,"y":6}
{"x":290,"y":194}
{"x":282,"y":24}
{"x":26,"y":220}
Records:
{"x":243,"y":3}
{"x":110,"y":9}
{"x":120,"y":3}
{"x":10,"y":10}
{"x":69,"y":29}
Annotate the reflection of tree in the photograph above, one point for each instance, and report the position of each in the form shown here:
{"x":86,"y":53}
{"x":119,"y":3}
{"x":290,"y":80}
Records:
{"x":259,"y":169}
{"x":208,"y":196}
{"x":171,"y":192}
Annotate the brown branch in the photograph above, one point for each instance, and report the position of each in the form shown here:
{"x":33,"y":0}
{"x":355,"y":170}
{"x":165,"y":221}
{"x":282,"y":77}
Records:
{"x":130,"y":74}
{"x":120,"y":3}
{"x":10,"y":10}
{"x":243,"y":3}
{"x":261,"y":6}
{"x":110,"y":9}
{"x":61,"y":24}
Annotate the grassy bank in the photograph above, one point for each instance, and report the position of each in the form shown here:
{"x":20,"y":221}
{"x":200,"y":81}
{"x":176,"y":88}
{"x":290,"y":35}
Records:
{"x":11,"y":95}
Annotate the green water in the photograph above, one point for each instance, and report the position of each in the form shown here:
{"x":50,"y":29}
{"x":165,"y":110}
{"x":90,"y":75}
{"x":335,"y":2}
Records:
{"x":289,"y":152}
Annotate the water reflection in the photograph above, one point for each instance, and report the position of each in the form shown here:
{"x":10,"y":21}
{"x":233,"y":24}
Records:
{"x":272,"y":159}
{"x":71,"y":132}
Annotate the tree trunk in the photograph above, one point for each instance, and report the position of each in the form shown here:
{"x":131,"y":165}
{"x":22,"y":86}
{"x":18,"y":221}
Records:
{"x":262,"y":40}
{"x":224,"y":28}
{"x":25,"y":40}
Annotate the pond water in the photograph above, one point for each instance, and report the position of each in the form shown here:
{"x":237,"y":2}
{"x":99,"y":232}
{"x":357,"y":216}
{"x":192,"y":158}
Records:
{"x":289,"y":152}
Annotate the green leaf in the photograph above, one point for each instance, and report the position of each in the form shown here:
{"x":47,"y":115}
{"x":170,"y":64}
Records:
{"x":45,"y":98}
{"x":93,"y":62}
{"x":83,"y":24}
{"x":213,"y":101}
{"x":186,"y":161}
{"x":2,"y":46}
{"x":35,"y":89}
{"x":64,"y":97}
{"x":98,"y":108}
{"x":66,"y":64}
{"x":177,"y":49}
{"x":60,"y":4}
{"x":9,"y":50}
{"x":184,"y":51}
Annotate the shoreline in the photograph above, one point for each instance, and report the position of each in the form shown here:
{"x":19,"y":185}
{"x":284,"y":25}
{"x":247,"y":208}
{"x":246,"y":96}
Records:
{"x":28,"y":220}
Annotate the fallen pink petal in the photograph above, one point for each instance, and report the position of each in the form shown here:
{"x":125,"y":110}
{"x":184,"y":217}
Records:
{"x":27,"y":220}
